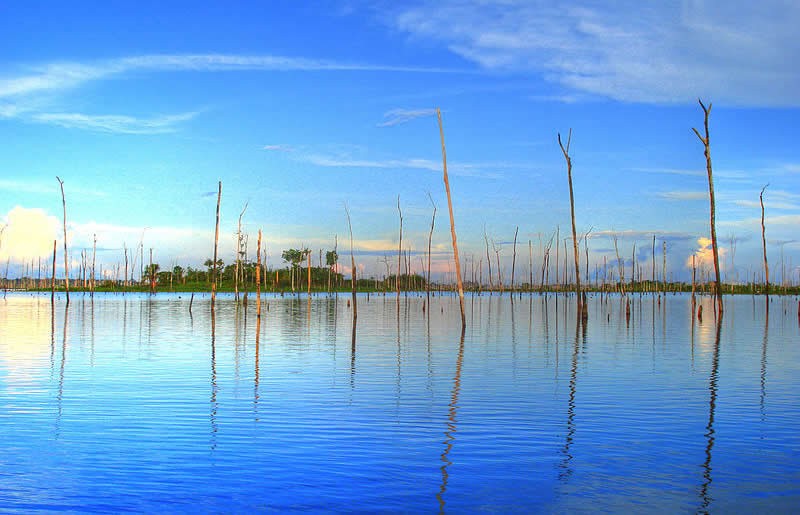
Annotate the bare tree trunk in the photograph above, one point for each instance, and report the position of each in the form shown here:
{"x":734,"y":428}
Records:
{"x":53,"y":282}
{"x":693,"y":281}
{"x":94,"y":254}
{"x":216,"y":241}
{"x":239,"y":252}
{"x":664,"y":265}
{"x":430,"y":237}
{"x":530,"y":266}
{"x":66,"y":258}
{"x":452,"y":226}
{"x":488,"y":260}
{"x":654,"y":263}
{"x":352,"y":268}
{"x":309,"y":275}
{"x":764,"y":240}
{"x":619,"y":263}
{"x":399,"y":254}
{"x":707,"y":152}
{"x":572,"y":215}
{"x":514,"y":260}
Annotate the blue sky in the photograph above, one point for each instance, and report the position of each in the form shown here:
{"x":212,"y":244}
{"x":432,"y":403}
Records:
{"x":142,"y":109}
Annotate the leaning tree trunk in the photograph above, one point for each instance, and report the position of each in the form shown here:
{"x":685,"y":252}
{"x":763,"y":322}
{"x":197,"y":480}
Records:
{"x":707,"y":152}
{"x":452,"y":226}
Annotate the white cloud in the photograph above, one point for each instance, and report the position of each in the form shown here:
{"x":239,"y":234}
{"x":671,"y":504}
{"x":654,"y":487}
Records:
{"x":279,"y":148}
{"x":63,"y":75}
{"x":115,"y":123}
{"x":734,"y":52}
{"x":399,"y":116}
{"x":484,"y":170}
{"x":683,"y":195}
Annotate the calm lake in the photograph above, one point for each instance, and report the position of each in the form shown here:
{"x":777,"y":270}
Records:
{"x":128,"y":403}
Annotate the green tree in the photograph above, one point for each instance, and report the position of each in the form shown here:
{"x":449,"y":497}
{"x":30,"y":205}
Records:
{"x":295,"y":257}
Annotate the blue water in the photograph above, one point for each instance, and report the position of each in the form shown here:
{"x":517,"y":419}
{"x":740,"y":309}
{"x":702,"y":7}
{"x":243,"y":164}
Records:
{"x":131,"y":403}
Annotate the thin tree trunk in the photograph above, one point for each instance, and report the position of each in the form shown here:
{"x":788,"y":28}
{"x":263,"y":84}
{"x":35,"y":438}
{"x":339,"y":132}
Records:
{"x":399,"y":254}
{"x":707,"y":152}
{"x":53,"y":282}
{"x":216,"y":241}
{"x":452,"y":226}
{"x":430,"y":237}
{"x":352,"y":268}
{"x":764,"y":241}
{"x":309,"y":275}
{"x":66,"y":264}
{"x":572,"y":215}
{"x":239,"y":252}
{"x":514,"y":260}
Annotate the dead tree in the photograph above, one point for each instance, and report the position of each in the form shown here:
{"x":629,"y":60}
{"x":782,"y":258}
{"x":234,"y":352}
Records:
{"x":565,"y":151}
{"x":399,"y":253}
{"x":452,"y":226}
{"x":66,"y":264}
{"x":216,"y":241}
{"x":352,"y":268}
{"x":430,"y":236}
{"x":514,"y":260}
{"x":707,"y":144}
{"x":764,"y":241}
{"x":239,"y":251}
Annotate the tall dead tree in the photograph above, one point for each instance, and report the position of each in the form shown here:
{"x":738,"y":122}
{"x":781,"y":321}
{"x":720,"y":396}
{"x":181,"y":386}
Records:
{"x":216,"y":241}
{"x":707,"y":144}
{"x":399,"y":253}
{"x":352,"y":269}
{"x":430,"y":236}
{"x":258,"y":278}
{"x":452,"y":226}
{"x":239,"y":252}
{"x":764,"y":241}
{"x":53,"y":282}
{"x":66,"y":264}
{"x":565,"y":151}
{"x":514,"y":260}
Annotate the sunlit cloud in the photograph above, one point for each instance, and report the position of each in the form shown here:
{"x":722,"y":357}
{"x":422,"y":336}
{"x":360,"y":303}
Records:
{"x":27,"y":234}
{"x":279,"y":148}
{"x":705,"y":253}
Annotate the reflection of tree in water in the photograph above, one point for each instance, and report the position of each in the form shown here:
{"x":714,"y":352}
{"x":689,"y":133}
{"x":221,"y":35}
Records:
{"x":214,"y":404}
{"x":764,"y":362}
{"x":712,"y":404}
{"x":566,"y":469}
{"x":451,"y":424}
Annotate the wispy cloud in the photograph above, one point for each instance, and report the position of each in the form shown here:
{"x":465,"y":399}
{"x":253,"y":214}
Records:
{"x":398,"y":116}
{"x":683,"y":195}
{"x":484,"y":170}
{"x":638,"y":235}
{"x":39,"y":187}
{"x":54,"y":76}
{"x":279,"y":148}
{"x":115,"y":123}
{"x":734,"y":52}
{"x":728,"y":174}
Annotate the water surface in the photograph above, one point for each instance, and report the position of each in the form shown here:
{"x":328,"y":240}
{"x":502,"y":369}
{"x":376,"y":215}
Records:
{"x":132,"y":403}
